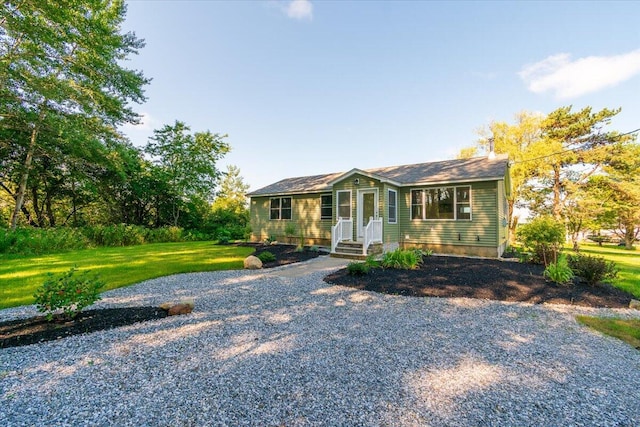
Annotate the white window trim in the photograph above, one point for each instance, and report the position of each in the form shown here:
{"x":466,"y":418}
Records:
{"x":338,"y":206}
{"x":395,"y":221}
{"x":455,"y":203}
{"x":280,"y":208}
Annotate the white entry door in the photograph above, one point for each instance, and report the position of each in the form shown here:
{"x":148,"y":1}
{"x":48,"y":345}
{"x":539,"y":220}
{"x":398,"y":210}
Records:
{"x":367,"y":208}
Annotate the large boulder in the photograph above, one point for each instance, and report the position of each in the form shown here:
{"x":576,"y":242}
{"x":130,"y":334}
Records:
{"x":252,"y":263}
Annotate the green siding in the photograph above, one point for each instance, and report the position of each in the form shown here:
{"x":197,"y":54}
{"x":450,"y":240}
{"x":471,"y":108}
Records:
{"x":305,"y":214}
{"x":482,"y":230}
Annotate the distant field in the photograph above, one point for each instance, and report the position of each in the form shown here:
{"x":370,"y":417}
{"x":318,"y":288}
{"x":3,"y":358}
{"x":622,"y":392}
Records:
{"x":20,"y":276}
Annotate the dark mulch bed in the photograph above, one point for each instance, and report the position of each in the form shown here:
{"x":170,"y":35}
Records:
{"x":20,"y":332}
{"x":483,"y":279}
{"x":285,"y":254}
{"x":37,"y":329}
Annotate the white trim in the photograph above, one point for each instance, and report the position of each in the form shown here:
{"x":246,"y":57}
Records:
{"x":455,"y":204}
{"x":280,"y":208}
{"x":363,"y":173}
{"x":389,"y":206}
{"x":359,"y":204}
{"x":338,"y":201}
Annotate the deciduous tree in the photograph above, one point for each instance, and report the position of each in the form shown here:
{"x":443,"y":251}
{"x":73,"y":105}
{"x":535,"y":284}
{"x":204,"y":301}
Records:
{"x":63,"y":82}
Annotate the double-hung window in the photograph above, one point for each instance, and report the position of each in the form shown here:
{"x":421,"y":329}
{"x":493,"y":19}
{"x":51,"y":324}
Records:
{"x":344,"y":204}
{"x":450,"y":203}
{"x":392,"y":216}
{"x":326,"y":206}
{"x":280,"y":208}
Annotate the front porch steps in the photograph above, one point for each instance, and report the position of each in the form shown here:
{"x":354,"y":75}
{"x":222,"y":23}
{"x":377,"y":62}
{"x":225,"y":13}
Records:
{"x":353,"y":250}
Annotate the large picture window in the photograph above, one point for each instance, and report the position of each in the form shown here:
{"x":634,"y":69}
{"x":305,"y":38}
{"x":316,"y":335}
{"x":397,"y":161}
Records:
{"x":281,"y":208}
{"x":393,"y":207}
{"x":344,"y":204}
{"x":451,"y":203}
{"x":326,"y":206}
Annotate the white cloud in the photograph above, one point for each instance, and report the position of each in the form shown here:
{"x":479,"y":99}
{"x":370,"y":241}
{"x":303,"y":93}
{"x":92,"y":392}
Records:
{"x":146,"y":123}
{"x":570,"y":79}
{"x":300,"y":9}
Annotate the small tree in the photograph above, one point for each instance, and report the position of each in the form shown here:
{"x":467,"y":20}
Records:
{"x":543,"y":237}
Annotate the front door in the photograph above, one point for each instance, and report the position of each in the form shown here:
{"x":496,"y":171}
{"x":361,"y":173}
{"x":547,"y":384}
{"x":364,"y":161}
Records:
{"x":367,"y":208}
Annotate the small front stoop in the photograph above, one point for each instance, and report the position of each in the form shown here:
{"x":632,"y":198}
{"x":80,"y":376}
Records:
{"x":353,"y":250}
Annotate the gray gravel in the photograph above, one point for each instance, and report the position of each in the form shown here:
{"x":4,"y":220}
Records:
{"x":261,"y":349}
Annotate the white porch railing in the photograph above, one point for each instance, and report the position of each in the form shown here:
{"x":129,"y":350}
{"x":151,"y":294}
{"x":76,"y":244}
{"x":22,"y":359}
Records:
{"x":372,"y":233}
{"x":343,"y":230}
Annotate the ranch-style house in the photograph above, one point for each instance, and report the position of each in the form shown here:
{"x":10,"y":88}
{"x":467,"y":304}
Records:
{"x":452,"y":207}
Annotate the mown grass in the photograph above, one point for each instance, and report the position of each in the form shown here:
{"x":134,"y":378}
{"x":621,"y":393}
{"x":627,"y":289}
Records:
{"x":628,"y":330}
{"x":628,"y":262}
{"x":20,"y":276}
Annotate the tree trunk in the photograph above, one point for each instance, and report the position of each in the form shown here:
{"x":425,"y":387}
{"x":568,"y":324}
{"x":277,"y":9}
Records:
{"x":22,"y":187}
{"x":512,"y":221}
{"x":557,"y":210}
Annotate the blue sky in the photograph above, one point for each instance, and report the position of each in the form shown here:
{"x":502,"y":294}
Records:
{"x":309,"y":87}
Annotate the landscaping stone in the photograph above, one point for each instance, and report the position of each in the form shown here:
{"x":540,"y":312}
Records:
{"x":634,"y":303}
{"x":252,"y":263}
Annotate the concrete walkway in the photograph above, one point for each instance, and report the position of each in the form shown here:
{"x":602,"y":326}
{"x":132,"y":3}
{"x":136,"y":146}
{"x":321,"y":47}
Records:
{"x":323,"y":263}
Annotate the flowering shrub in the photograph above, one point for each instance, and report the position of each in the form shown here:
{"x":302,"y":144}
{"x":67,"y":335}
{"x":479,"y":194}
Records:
{"x":67,"y":292}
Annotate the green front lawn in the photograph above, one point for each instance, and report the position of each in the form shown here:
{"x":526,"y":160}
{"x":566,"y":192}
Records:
{"x":627,"y":261}
{"x":121,"y":266}
{"x":626,"y":330}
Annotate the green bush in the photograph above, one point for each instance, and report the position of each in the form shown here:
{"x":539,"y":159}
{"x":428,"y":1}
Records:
{"x":67,"y":292}
{"x":592,"y":269}
{"x":358,"y":268}
{"x":408,"y":259}
{"x":37,"y":241}
{"x":267,"y":256}
{"x":372,"y":262}
{"x":164,"y":235}
{"x":223,"y":236}
{"x":559,"y":272}
{"x":543,"y":238}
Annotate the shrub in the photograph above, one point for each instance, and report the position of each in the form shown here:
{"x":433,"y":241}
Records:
{"x":559,"y":272}
{"x":289,"y":229}
{"x":266,"y":256}
{"x":314,"y":248}
{"x":592,"y":269}
{"x":67,"y":292}
{"x":372,"y":262}
{"x":358,"y":268}
{"x":402,"y":259}
{"x":223,"y":236}
{"x":543,"y":237}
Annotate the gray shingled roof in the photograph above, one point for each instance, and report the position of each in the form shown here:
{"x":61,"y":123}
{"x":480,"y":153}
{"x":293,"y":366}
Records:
{"x":474,"y":169}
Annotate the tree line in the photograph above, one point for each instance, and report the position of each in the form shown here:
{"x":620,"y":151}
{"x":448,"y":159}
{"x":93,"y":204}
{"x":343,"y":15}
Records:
{"x":64,"y":94}
{"x":568,"y":166}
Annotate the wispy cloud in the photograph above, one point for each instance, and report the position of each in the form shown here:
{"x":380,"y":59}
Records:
{"x":299,"y":9}
{"x":568,"y":78}
{"x":146,"y":123}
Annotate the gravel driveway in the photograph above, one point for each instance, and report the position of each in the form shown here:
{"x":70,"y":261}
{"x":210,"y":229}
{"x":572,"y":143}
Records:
{"x":271,"y":349}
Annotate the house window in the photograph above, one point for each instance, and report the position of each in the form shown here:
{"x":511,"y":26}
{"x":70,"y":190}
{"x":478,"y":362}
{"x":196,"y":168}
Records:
{"x":393,"y":207}
{"x":344,"y":204}
{"x":326,"y":206}
{"x":416,"y":204}
{"x":463,"y":203}
{"x":439,"y":203}
{"x":281,"y":208}
{"x":452,"y":203}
